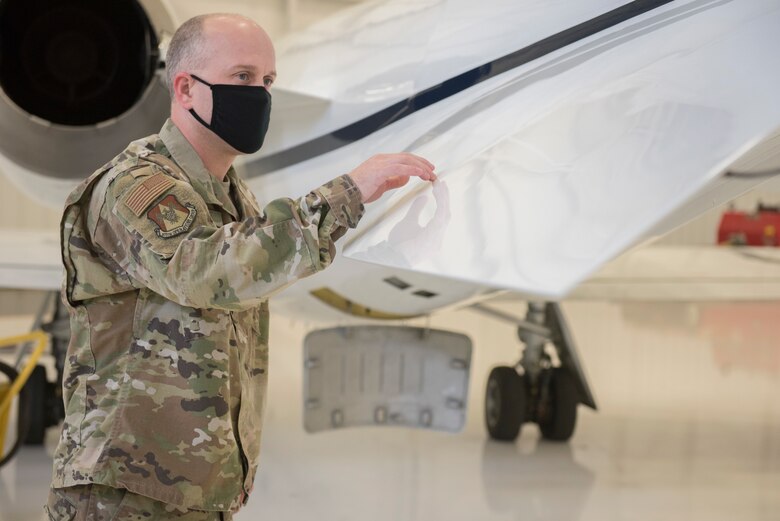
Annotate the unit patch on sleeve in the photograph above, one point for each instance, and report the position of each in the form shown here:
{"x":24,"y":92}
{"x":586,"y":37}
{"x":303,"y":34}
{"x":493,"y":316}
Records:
{"x":171,"y":217}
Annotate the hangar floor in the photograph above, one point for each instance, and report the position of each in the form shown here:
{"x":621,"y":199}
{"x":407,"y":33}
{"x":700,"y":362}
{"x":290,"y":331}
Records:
{"x":689,"y":429}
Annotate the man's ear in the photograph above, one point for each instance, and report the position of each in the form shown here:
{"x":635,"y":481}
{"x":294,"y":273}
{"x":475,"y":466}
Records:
{"x":182,"y":89}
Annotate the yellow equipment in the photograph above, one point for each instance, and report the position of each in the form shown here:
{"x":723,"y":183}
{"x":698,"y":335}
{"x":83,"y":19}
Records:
{"x":8,"y":391}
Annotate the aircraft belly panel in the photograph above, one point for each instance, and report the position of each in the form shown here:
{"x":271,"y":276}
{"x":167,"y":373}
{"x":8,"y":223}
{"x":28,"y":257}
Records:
{"x":386,"y":376}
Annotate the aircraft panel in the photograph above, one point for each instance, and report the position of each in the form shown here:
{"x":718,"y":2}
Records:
{"x":580,"y":164}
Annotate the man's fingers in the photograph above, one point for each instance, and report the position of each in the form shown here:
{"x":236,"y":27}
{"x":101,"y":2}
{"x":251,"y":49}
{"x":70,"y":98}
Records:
{"x":422,"y":163}
{"x":385,"y":172}
{"x":408,"y":159}
{"x":419,"y":159}
{"x":411,"y":170}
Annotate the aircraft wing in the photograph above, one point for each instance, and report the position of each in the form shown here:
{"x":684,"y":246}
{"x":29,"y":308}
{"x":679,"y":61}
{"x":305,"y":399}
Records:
{"x":564,"y":133}
{"x":551,"y":169}
{"x":31,"y":260}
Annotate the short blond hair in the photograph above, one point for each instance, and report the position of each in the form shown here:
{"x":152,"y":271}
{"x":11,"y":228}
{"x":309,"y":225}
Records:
{"x":186,"y":45}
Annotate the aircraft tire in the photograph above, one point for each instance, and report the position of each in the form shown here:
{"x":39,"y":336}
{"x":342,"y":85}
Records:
{"x":505,"y":403}
{"x":37,"y":388}
{"x":560,"y":424}
{"x":23,"y":406}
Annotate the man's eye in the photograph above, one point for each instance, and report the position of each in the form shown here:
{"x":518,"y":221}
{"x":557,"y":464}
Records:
{"x":268,"y":81}
{"x":243,"y":76}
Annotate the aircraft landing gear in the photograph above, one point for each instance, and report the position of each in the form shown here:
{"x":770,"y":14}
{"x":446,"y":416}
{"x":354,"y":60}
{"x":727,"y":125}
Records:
{"x":535,"y":391}
{"x":505,"y":403}
{"x":557,"y":415}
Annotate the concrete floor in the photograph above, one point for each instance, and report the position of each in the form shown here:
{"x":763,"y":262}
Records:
{"x":689,"y":429}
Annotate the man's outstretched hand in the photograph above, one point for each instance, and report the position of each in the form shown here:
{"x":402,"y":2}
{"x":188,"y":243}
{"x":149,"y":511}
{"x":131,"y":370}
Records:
{"x":385,"y":172}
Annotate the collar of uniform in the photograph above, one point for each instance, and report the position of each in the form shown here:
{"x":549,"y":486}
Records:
{"x":202,"y":181}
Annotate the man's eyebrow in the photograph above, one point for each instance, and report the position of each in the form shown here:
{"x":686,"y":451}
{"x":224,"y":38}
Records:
{"x":251,"y":68}
{"x":243,"y":67}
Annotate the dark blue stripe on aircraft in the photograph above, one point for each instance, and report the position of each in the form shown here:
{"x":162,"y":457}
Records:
{"x":379,"y":120}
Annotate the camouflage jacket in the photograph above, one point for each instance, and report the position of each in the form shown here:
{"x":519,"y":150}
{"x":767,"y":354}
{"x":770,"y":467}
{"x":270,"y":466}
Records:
{"x":167,"y":278}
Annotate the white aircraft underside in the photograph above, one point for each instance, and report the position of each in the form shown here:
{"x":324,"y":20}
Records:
{"x":552,"y":168}
{"x":563,"y":133}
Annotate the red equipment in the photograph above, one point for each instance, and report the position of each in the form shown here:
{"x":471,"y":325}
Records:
{"x":750,"y":229}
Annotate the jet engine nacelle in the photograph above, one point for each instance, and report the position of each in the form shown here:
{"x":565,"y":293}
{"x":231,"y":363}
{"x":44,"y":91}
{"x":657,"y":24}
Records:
{"x":80,"y":79}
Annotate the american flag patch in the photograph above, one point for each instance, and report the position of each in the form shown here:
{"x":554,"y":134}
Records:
{"x":145,"y":193}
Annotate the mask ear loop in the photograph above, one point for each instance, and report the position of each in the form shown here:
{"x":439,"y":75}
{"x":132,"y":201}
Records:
{"x":204,"y":82}
{"x":192,"y":111}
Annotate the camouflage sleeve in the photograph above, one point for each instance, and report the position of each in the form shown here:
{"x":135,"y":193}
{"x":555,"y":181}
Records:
{"x":343,"y":208}
{"x":158,"y":230}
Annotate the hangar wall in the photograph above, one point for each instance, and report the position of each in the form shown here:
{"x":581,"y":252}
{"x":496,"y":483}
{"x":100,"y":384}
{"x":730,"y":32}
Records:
{"x":19,"y":211}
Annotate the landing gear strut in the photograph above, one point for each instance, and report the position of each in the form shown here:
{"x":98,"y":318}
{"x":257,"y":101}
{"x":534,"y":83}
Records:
{"x":535,"y":391}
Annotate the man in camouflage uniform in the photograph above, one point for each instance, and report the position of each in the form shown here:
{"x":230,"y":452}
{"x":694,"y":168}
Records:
{"x":169,"y":264}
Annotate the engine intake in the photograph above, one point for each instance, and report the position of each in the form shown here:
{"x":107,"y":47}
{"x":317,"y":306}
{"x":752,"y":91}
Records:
{"x":78,"y":62}
{"x":79,"y":81}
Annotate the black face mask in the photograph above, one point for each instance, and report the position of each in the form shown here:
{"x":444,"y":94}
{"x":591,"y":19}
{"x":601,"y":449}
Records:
{"x":239,"y":114}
